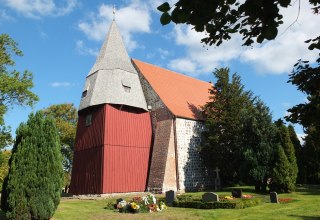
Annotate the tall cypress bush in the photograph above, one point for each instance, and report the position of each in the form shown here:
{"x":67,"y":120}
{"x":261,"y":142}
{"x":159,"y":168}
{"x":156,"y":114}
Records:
{"x":288,"y":149}
{"x":35,"y":176}
{"x":299,"y":155}
{"x":281,"y":179}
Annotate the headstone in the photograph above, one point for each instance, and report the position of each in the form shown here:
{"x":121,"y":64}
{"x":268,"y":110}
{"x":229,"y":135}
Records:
{"x":170,"y":197}
{"x":210,"y":197}
{"x":274,"y":197}
{"x":236,"y":193}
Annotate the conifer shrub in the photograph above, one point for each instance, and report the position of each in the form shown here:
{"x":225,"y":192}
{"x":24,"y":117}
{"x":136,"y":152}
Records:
{"x":285,"y":171}
{"x":35,"y":176}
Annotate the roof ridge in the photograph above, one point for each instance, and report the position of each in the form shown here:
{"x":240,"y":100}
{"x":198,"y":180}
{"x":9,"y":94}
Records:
{"x":181,"y":74}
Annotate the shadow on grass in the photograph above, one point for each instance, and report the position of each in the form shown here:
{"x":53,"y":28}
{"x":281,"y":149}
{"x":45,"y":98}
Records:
{"x":309,"y":190}
{"x":2,"y":215}
{"x":306,"y":217}
{"x":244,"y":190}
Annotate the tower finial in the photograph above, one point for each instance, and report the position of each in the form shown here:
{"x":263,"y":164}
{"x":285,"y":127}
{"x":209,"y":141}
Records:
{"x":114,"y":12}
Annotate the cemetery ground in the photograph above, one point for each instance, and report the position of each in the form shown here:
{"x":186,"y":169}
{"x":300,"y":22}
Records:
{"x":305,"y":205}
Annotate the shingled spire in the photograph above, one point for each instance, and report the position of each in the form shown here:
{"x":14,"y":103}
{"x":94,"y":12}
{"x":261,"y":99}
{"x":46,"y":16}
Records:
{"x":113,"y":79}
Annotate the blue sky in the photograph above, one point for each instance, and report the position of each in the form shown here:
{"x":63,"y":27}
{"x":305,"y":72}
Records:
{"x":61,"y":38}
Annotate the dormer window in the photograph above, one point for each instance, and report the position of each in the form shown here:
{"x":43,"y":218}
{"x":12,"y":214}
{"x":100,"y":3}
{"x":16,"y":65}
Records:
{"x":127,"y":89}
{"x":84,"y":93}
{"x":126,"y":85}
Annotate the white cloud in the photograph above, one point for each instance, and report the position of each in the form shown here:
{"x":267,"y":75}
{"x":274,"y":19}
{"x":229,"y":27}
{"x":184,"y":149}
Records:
{"x":133,"y":18}
{"x":5,"y":16}
{"x":301,"y":138}
{"x":83,"y":50}
{"x":183,"y":65}
{"x":273,"y":57}
{"x":162,"y":53}
{"x":39,"y":8}
{"x":61,"y":84}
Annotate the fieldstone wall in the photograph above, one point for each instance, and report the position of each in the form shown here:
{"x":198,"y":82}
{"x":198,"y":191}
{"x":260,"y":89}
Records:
{"x":193,"y":175}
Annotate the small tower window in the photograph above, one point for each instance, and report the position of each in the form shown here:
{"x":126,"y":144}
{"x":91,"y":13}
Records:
{"x":126,"y":88}
{"x":88,"y":119}
{"x":84,"y":93}
{"x":126,"y":85}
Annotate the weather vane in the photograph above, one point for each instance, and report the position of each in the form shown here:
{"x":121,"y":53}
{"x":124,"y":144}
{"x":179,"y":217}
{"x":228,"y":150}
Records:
{"x":114,"y":11}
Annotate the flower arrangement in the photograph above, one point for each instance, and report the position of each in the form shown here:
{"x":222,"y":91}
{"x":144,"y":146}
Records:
{"x":285,"y":200}
{"x":146,"y":203}
{"x":247,"y":196}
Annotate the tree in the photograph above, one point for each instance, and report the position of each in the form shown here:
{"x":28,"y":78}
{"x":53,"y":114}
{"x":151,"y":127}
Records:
{"x":65,"y":116}
{"x":258,"y":145}
{"x":255,"y":20}
{"x":4,"y":164}
{"x":15,"y":87}
{"x":307,"y":79}
{"x":284,"y":140}
{"x":221,"y":142}
{"x":311,"y":152}
{"x":299,"y":154}
{"x":281,"y":179}
{"x":220,"y":19}
{"x":34,"y":182}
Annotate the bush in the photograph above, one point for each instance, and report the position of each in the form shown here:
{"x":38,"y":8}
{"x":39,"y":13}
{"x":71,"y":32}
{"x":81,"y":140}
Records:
{"x":234,"y":204}
{"x":35,"y":176}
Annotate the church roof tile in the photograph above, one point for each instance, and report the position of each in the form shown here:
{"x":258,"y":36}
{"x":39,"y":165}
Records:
{"x":183,"y":95}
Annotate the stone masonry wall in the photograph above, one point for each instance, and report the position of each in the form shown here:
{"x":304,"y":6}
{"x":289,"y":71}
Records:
{"x":193,"y":176}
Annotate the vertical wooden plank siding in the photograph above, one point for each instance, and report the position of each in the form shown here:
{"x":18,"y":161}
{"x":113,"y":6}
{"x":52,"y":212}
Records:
{"x":126,"y":152}
{"x":90,"y":136}
{"x":87,"y":166}
{"x":86,"y":172}
{"x":112,"y":154}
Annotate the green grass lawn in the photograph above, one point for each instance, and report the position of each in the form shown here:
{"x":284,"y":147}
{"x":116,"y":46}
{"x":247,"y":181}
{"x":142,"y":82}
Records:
{"x":305,"y":206}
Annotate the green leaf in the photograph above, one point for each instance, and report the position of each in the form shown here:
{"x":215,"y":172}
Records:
{"x":270,"y":32}
{"x":165,"y":18}
{"x":165,"y":7}
{"x":284,"y":3}
{"x":183,"y":17}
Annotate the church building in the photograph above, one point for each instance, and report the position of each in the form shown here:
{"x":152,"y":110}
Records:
{"x":139,"y":127}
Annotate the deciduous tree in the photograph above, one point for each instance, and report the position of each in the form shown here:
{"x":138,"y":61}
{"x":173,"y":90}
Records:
{"x":15,"y":87}
{"x":65,"y":116}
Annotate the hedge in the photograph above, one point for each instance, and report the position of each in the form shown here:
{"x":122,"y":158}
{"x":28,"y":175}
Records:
{"x":235,"y":204}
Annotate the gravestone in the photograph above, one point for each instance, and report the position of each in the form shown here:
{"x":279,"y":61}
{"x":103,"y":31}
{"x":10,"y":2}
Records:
{"x":170,"y":197}
{"x":236,"y":193}
{"x":274,"y":197}
{"x":210,"y":197}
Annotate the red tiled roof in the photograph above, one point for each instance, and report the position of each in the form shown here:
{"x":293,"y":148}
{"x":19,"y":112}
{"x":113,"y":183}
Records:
{"x":183,"y":95}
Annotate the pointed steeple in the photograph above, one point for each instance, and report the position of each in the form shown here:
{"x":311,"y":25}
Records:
{"x":113,"y":79}
{"x":113,"y":54}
